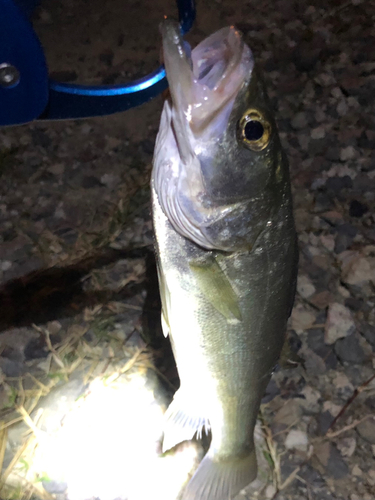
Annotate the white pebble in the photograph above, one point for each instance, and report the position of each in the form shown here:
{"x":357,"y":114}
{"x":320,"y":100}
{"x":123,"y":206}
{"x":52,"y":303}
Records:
{"x":270,"y":491}
{"x":347,"y":446}
{"x":339,"y":323}
{"x":297,"y":440}
{"x":5,"y":265}
{"x":305,"y":287}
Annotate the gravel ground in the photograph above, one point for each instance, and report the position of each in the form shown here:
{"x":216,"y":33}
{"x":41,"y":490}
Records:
{"x":74,"y":202}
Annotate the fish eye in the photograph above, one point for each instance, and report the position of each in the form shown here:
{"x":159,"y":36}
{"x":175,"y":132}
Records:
{"x":254,"y":130}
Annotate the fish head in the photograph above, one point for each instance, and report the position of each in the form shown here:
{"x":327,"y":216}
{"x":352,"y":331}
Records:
{"x":218,"y":167}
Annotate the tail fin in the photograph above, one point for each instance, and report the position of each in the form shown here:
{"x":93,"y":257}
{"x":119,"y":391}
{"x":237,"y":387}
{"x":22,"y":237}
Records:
{"x":221,"y":480}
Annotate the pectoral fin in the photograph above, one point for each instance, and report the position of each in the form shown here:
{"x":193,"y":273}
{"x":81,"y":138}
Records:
{"x":165,"y":301}
{"x":216,"y":287}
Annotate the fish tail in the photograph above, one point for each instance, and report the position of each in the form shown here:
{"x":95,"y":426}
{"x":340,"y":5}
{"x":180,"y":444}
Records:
{"x":221,"y":480}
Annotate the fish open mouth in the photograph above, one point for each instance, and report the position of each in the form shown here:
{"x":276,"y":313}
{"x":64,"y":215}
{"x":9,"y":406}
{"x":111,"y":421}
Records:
{"x":203,"y":83}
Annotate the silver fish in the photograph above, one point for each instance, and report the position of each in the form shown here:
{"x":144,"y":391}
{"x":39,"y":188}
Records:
{"x":226,"y":250}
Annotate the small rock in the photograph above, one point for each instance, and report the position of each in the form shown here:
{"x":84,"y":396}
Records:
{"x":342,"y":108}
{"x":357,"y":209}
{"x":54,"y":327}
{"x":297,"y":440}
{"x":310,"y":403}
{"x":318,"y":133}
{"x":301,"y":318}
{"x":344,"y":292}
{"x":338,"y":183}
{"x":303,"y":141}
{"x":5,"y":265}
{"x":366,"y":430}
{"x":113,"y":142}
{"x":110,"y":180}
{"x":349,"y":350}
{"x":289,"y":413}
{"x":343,"y":387}
{"x":332,"y":408}
{"x":55,"y":486}
{"x":368,"y":331}
{"x":371,"y":477}
{"x":270,"y":491}
{"x":299,"y":121}
{"x":354,"y":304}
{"x":347,"y":446}
{"x":328,"y":241}
{"x":11,"y":368}
{"x":339,"y":323}
{"x":45,"y":16}
{"x":348,"y":153}
{"x":336,"y":467}
{"x":57,"y":169}
{"x":271,"y":392}
{"x":333,"y":153}
{"x":59,"y":213}
{"x":324,"y":421}
{"x":322,"y":300}
{"x":357,"y":268}
{"x":305,"y":286}
{"x":306,"y":54}
{"x":322,"y":452}
{"x":315,"y":340}
{"x":345,"y":235}
{"x":357,"y":471}
{"x":313,"y":363}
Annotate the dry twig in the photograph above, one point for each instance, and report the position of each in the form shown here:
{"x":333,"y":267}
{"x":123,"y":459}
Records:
{"x":356,"y":392}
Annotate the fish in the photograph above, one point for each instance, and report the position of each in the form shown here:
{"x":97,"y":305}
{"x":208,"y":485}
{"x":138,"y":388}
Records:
{"x":226,"y":250}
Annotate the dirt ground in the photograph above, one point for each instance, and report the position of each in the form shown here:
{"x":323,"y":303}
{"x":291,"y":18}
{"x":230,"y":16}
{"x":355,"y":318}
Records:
{"x":78,"y":281}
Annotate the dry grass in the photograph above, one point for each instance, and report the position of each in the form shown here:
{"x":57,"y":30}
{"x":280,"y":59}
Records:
{"x":273,"y":456}
{"x":106,"y":357}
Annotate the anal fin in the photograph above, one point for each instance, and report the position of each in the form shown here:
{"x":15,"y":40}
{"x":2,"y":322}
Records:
{"x":183,"y":420}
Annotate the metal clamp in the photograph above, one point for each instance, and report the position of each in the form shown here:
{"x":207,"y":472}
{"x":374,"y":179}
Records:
{"x":27,"y":94}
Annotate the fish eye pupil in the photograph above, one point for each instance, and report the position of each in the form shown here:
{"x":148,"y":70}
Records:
{"x":253,"y":130}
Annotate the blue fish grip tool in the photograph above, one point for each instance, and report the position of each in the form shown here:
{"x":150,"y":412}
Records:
{"x":27,"y":93}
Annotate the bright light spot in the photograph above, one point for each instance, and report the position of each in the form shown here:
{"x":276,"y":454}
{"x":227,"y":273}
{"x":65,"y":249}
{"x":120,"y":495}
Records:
{"x":108,"y":446}
{"x":189,"y":113}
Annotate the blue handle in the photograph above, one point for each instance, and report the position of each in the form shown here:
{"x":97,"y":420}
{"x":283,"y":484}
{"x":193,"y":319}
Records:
{"x":68,"y":100}
{"x":30,"y":95}
{"x":21,"y":57}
